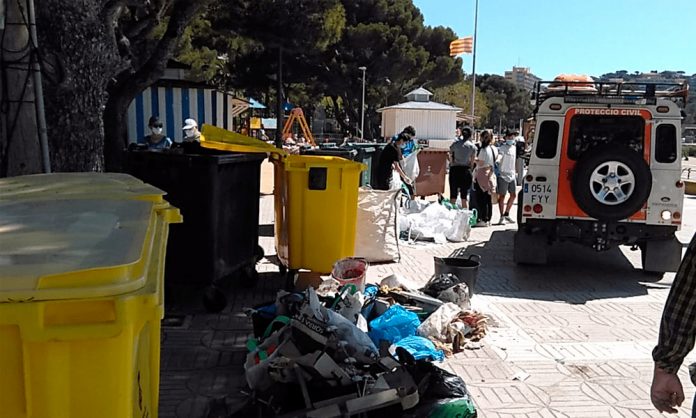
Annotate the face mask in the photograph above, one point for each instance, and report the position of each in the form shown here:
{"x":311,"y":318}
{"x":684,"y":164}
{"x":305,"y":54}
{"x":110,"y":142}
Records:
{"x":403,"y":146}
{"x":157,"y":131}
{"x":188,"y":133}
{"x":510,"y":142}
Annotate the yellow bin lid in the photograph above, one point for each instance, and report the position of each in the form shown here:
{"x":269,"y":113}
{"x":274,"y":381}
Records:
{"x":67,"y":249}
{"x":77,"y":186}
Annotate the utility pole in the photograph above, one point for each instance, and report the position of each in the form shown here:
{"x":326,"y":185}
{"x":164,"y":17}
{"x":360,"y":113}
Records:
{"x":23,"y":139}
{"x":362,"y":106}
{"x":279,"y":98}
{"x":473,"y":69}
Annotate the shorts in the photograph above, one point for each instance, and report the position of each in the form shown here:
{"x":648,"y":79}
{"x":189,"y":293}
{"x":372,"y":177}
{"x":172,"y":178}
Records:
{"x":460,"y":180}
{"x":505,"y":187}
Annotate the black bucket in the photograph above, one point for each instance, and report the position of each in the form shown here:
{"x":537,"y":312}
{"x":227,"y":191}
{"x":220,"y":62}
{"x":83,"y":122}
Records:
{"x":466,"y":269}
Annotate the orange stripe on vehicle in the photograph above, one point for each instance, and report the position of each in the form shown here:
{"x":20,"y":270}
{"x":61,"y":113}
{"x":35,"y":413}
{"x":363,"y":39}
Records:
{"x":567,"y":206}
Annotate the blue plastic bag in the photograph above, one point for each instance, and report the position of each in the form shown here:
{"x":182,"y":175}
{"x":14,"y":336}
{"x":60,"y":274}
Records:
{"x":421,"y":348}
{"x":393,"y":325}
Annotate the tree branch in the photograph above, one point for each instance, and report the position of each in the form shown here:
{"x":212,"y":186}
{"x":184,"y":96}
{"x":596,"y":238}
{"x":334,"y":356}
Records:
{"x":134,"y":80}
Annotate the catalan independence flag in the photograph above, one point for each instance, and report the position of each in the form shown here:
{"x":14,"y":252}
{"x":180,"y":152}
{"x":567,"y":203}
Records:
{"x":462,"y":46}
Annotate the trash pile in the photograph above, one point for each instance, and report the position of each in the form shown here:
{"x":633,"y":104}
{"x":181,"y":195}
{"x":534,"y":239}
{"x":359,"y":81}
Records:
{"x":439,"y":222}
{"x":347,"y":348}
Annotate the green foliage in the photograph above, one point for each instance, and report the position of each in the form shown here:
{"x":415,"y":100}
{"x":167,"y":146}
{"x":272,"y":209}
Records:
{"x":324,"y":42}
{"x":507,"y":102}
{"x":459,"y":95}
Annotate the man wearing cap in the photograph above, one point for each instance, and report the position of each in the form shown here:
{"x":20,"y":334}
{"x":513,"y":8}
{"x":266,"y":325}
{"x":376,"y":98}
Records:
{"x":191,"y":133}
{"x":462,"y":157}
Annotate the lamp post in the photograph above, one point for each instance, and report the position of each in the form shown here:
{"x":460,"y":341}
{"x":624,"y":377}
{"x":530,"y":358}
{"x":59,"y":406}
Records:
{"x":473,"y":70}
{"x":362,"y":106}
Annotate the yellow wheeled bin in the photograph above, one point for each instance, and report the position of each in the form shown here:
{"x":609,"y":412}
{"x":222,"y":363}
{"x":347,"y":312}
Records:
{"x":81,"y":297}
{"x":316,"y":207}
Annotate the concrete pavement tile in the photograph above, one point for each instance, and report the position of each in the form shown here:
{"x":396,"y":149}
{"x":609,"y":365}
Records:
{"x":509,"y":398}
{"x":475,"y":372}
{"x":226,"y":340}
{"x":557,"y":335}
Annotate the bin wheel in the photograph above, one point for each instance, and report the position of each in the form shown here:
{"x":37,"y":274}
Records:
{"x":260,"y":253}
{"x":291,"y":278}
{"x":249,"y":276}
{"x":214,"y":299}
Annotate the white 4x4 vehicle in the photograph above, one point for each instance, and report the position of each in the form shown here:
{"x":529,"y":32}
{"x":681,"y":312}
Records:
{"x":605,"y":170}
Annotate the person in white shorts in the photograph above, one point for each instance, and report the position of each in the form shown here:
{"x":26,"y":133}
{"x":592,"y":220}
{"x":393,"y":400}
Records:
{"x":506,"y":177}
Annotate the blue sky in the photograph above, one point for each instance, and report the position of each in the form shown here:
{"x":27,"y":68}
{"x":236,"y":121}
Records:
{"x":570,"y":36}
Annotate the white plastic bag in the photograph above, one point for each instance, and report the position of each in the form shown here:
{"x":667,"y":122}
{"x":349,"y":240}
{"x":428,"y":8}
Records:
{"x":461,"y":228}
{"x":437,"y":324}
{"x":395,"y":183}
{"x":411,"y":167}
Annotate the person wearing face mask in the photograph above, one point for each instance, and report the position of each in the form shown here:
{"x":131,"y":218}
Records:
{"x":191,"y":133}
{"x":390,"y":162}
{"x":156,"y":139}
{"x":506,"y":179}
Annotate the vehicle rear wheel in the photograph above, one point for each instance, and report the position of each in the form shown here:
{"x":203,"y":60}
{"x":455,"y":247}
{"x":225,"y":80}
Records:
{"x":611,"y":183}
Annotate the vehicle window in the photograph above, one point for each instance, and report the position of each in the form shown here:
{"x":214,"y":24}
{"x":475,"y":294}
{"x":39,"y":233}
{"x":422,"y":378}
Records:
{"x":588,"y":132}
{"x":547,"y":143}
{"x":666,"y":144}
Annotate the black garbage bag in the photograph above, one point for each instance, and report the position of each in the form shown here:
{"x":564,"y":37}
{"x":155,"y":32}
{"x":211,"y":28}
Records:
{"x":439,"y":284}
{"x":442,"y":394}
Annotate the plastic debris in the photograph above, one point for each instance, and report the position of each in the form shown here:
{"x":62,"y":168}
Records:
{"x":436,"y":326}
{"x":440,"y":283}
{"x":328,"y":287}
{"x":396,"y":281}
{"x":420,"y":348}
{"x":521,"y":376}
{"x":457,"y":294}
{"x":395,"y":324}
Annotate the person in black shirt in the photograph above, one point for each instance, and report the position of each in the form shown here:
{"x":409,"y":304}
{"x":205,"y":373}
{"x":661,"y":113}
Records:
{"x":390,"y":161}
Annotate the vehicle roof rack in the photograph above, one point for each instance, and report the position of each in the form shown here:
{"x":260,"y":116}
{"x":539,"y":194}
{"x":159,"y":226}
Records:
{"x":611,"y":92}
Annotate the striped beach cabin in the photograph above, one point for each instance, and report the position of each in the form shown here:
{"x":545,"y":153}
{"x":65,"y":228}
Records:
{"x":176,"y":100}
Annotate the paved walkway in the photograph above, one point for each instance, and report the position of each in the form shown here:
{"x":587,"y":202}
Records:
{"x":578,"y":332}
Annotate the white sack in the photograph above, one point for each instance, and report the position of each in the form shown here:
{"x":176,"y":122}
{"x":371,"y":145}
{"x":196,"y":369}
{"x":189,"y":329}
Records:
{"x":376,"y":235}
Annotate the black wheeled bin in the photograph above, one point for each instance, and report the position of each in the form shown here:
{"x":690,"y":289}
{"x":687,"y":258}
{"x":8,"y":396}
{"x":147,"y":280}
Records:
{"x":361,"y":153}
{"x":218,"y":195}
{"x":368,"y":154}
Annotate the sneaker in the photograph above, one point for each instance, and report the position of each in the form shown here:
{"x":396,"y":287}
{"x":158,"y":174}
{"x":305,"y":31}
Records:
{"x":502,"y":221}
{"x":508,"y":219}
{"x":480,"y":224}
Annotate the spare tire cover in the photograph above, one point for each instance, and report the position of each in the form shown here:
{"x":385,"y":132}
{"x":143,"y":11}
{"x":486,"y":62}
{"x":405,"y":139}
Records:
{"x":611,"y":183}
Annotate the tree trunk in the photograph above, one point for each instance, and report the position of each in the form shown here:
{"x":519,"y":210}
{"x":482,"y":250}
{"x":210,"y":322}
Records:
{"x":115,"y":132}
{"x":80,"y":59}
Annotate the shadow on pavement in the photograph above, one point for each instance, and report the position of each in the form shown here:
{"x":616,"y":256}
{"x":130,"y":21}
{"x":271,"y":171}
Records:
{"x":574,"y":274}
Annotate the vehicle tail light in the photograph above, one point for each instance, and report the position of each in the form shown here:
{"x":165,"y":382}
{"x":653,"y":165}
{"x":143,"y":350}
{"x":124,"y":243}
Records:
{"x":555,"y":106}
{"x":529,"y":178}
{"x":527,"y":208}
{"x":662,"y":109}
{"x":679,"y":184}
{"x":538,"y":208}
{"x":676,"y":215}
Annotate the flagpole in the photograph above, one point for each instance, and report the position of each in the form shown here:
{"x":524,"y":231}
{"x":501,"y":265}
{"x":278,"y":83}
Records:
{"x":473,"y":70}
